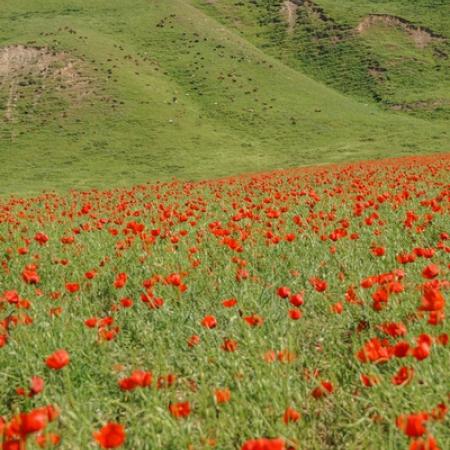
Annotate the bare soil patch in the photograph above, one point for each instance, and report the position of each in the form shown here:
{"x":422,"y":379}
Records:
{"x":29,"y":73}
{"x":421,"y":36}
{"x":289,"y":12}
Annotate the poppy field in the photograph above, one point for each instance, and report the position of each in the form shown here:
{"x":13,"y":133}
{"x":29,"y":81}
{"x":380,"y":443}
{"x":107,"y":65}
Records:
{"x":296,"y":309}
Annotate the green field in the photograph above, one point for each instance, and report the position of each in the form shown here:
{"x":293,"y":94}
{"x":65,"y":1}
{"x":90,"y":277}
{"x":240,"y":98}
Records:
{"x":142,"y":90}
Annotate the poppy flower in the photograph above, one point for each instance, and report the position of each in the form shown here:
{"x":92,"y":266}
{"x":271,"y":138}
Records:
{"x":193,"y":341}
{"x":30,"y":275}
{"x":33,"y":421}
{"x":91,"y":322}
{"x":222,"y":395}
{"x":369,"y":380}
{"x":165,"y":381}
{"x":229,"y":345}
{"x":429,"y":443}
{"x":432,"y":300}
{"x":421,"y":351}
{"x":121,"y":280}
{"x":254,"y":320}
{"x":72,"y":287}
{"x":48,"y":439}
{"x":295,"y":314}
{"x":296,"y":300}
{"x":291,"y":415}
{"x":126,"y":302}
{"x":325,"y":388}
{"x":413,"y":425}
{"x":138,"y":378}
{"x":393,"y":329}
{"x":209,"y":322}
{"x":401,"y":349}
{"x":229,"y":303}
{"x":41,"y":238}
{"x":337,"y":308}
{"x":378,"y":251}
{"x":403,"y":376}
{"x":58,"y":360}
{"x":318,"y":284}
{"x":180,"y":409}
{"x":283,"y":292}
{"x":112,"y":435}
{"x":375,"y":350}
{"x":36,"y":385}
{"x":264,"y":444}
{"x":3,"y":340}
{"x":431,"y":271}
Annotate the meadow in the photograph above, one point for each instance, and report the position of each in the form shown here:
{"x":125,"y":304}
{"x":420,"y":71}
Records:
{"x":294,"y":309}
{"x":224,"y":224}
{"x":195,"y":89}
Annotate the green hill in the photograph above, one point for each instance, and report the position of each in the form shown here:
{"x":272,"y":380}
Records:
{"x":111,"y":93}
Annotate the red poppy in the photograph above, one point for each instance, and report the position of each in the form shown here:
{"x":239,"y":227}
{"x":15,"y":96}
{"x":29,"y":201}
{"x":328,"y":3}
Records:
{"x":72,"y":287}
{"x":264,"y":444}
{"x":229,"y":303}
{"x":209,"y":322}
{"x":325,"y":388}
{"x":254,"y":320}
{"x":401,"y":349}
{"x":222,"y":395}
{"x":283,"y":292}
{"x":295,"y":314}
{"x":138,"y":378}
{"x":431,"y":271}
{"x":33,"y":421}
{"x":375,"y":350}
{"x":393,"y":329}
{"x":193,"y":341}
{"x":432,"y":299}
{"x":126,"y":302}
{"x":429,"y":443}
{"x":403,"y":376}
{"x":41,"y":238}
{"x":91,"y":322}
{"x":369,"y":380}
{"x":36,"y":385}
{"x":112,"y":435}
{"x":180,"y":409}
{"x":121,"y":280}
{"x":318,"y":284}
{"x":296,"y":300}
{"x":337,"y":308}
{"x":58,"y":360}
{"x":48,"y":439}
{"x":291,"y":415}
{"x":229,"y":345}
{"x":378,"y":251}
{"x":413,"y":425}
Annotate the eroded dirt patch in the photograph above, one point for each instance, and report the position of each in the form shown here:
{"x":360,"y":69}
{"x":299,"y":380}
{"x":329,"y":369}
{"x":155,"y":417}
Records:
{"x":422,"y":37}
{"x":33,"y":77}
{"x":289,"y":12}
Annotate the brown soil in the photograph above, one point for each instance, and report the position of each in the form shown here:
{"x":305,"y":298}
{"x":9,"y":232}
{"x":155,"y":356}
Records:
{"x":289,"y":12}
{"x":51,"y":70}
{"x":429,"y":105}
{"x":421,"y":36}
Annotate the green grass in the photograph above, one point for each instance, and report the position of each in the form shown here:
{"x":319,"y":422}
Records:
{"x":192,"y":99}
{"x":384,"y":64}
{"x":325,"y":198}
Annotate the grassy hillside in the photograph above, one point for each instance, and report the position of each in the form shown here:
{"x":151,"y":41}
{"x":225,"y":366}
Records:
{"x":392,"y":52}
{"x":113,"y":93}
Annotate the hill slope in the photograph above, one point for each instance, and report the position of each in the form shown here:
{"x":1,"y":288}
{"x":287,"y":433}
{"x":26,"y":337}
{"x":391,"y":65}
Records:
{"x":130,"y":91}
